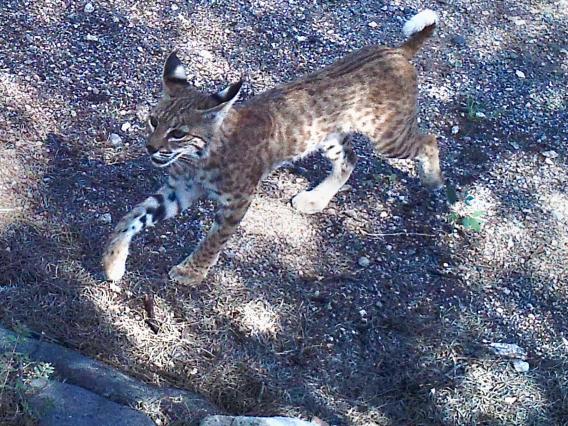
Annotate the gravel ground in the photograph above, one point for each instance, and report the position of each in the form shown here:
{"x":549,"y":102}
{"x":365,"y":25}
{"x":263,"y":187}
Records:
{"x":381,"y":309}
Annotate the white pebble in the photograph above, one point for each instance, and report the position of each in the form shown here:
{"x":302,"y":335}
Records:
{"x":89,"y":8}
{"x":125,"y":127}
{"x":373,"y":24}
{"x":550,"y":154}
{"x":520,"y":74}
{"x":114,"y":139}
{"x":205,"y":54}
{"x":115,"y":288}
{"x":105,"y":218}
{"x":364,"y":261}
{"x":521,"y":366}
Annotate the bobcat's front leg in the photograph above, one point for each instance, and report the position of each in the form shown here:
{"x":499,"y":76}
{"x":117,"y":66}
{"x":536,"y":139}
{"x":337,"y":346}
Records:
{"x":170,"y":200}
{"x":195,"y":267}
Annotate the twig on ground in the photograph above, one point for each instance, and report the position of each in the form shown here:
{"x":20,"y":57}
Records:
{"x":149,"y":307}
{"x":397,"y":234}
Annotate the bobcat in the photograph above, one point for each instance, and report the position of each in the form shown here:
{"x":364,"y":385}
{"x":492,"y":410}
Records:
{"x":220,"y":150}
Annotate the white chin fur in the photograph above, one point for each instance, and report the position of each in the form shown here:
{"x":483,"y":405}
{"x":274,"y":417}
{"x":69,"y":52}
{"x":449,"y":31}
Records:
{"x":420,"y":21}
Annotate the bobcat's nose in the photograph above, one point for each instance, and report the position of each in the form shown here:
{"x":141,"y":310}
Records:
{"x":151,"y":149}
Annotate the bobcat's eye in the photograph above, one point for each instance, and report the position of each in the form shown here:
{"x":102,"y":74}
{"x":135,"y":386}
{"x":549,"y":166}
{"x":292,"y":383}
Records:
{"x":153,"y":121}
{"x":177,"y":134}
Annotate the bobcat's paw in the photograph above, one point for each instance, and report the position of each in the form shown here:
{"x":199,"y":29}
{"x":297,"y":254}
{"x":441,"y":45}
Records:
{"x":187,"y":275}
{"x":114,"y":260}
{"x":309,"y":202}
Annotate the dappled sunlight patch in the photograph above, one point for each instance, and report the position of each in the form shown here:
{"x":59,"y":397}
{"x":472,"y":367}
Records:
{"x":479,"y":198}
{"x":258,"y":319}
{"x":440,"y":92}
{"x":368,"y":416}
{"x":557,"y":204}
{"x":159,"y":338}
{"x":272,"y":221}
{"x":492,"y":392}
{"x":15,"y":93}
{"x":501,"y":238}
{"x":273,"y":218}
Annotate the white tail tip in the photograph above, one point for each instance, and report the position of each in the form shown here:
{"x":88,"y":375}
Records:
{"x":420,"y":21}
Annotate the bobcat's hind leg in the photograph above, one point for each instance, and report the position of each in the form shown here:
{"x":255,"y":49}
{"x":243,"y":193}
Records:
{"x":339,"y":150}
{"x":429,"y":163}
{"x":170,"y":200}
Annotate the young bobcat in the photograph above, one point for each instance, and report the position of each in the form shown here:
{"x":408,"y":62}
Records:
{"x":216,"y":149}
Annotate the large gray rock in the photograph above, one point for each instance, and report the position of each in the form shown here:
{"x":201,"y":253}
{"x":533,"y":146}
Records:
{"x":107,"y":382}
{"x":61,"y":404}
{"x":256,"y":421}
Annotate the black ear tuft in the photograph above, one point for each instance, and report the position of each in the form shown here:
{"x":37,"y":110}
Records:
{"x":228,"y":93}
{"x":174,"y":73}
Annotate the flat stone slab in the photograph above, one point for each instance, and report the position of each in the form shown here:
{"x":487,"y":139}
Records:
{"x":257,"y":421}
{"x":105,"y":382}
{"x":95,"y":394}
{"x":61,"y":404}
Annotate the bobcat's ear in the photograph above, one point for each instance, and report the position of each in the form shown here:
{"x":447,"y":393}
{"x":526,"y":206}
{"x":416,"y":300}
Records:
{"x":175,"y":77}
{"x":229,"y":93}
{"x":225,"y":100}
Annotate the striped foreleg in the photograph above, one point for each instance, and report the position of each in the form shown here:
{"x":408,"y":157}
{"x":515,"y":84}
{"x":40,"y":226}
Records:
{"x":166,"y":203}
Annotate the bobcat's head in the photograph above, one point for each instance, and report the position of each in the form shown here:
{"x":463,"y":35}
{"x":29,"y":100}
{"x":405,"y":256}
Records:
{"x":185,"y":120}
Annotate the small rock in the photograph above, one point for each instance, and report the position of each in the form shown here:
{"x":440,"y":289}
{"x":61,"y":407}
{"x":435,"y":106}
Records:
{"x":550,"y":154}
{"x":105,"y":218}
{"x":459,"y":40}
{"x":455,"y":130}
{"x":480,"y":114}
{"x":114,"y":139}
{"x":126,"y":126}
{"x":91,"y":37}
{"x":517,"y":21}
{"x":115,"y":288}
{"x":362,"y":312}
{"x":175,"y":7}
{"x":520,"y":74}
{"x":510,"y":400}
{"x":162,"y":250}
{"x":373,"y":24}
{"x":364,"y":261}
{"x":510,"y":350}
{"x":89,"y":8}
{"x":521,"y":366}
{"x":383,"y":214}
{"x":142,"y":112}
{"x":205,"y":54}
{"x":301,"y":38}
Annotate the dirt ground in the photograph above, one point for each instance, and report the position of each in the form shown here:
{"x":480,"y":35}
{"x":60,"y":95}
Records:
{"x":381,"y":309}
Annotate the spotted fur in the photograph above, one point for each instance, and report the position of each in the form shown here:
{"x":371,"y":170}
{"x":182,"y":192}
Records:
{"x":220,"y":150}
